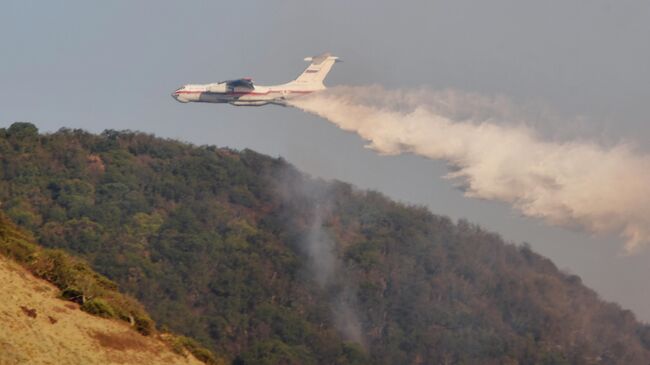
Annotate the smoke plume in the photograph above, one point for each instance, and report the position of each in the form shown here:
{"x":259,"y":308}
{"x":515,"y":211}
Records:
{"x":494,"y":155}
{"x":311,"y":203}
{"x":327,"y":269}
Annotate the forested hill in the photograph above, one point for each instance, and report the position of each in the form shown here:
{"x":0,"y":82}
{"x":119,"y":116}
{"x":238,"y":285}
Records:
{"x":253,"y":259}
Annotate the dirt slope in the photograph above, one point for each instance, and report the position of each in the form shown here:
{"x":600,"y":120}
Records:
{"x":38,"y":328}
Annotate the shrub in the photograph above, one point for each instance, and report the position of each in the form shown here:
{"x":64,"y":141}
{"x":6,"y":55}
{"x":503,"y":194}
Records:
{"x":99,"y":307}
{"x":144,"y":324}
{"x":181,"y":343}
{"x":73,"y":295}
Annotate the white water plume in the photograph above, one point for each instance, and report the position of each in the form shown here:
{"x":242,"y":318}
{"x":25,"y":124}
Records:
{"x":576,"y":184}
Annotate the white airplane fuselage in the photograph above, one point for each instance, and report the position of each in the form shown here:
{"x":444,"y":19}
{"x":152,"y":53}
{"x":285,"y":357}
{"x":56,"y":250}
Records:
{"x":260,"y":95}
{"x":242,"y":92}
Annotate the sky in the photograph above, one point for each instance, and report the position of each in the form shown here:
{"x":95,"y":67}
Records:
{"x":582,"y":67}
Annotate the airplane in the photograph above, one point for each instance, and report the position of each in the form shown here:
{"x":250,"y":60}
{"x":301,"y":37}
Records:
{"x":242,"y":92}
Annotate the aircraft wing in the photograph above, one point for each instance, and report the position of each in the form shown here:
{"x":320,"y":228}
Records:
{"x":245,"y":83}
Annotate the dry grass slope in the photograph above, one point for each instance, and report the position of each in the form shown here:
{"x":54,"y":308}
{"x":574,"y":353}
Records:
{"x":54,"y":317}
{"x":39,"y":328}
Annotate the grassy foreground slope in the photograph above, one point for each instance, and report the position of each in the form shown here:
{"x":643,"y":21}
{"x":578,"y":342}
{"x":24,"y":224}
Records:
{"x":40,"y":327}
{"x":257,"y":261}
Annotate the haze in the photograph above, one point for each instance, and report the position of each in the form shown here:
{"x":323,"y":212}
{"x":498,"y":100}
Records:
{"x":581,"y":68}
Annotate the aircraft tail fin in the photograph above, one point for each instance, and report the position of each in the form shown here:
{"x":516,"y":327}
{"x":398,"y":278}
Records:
{"x":316,"y":72}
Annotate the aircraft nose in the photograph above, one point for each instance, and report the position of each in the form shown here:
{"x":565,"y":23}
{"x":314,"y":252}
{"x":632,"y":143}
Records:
{"x":178,"y":97}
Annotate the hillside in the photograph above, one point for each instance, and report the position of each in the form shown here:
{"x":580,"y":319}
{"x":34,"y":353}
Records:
{"x":40,"y":327}
{"x":257,"y":261}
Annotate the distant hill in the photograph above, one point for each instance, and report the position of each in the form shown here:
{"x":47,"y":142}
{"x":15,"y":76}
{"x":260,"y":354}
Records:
{"x":259,"y":262}
{"x":41,"y":326}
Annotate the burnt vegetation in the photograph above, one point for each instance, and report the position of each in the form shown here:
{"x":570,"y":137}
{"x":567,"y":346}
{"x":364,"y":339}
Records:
{"x":207,"y":240}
